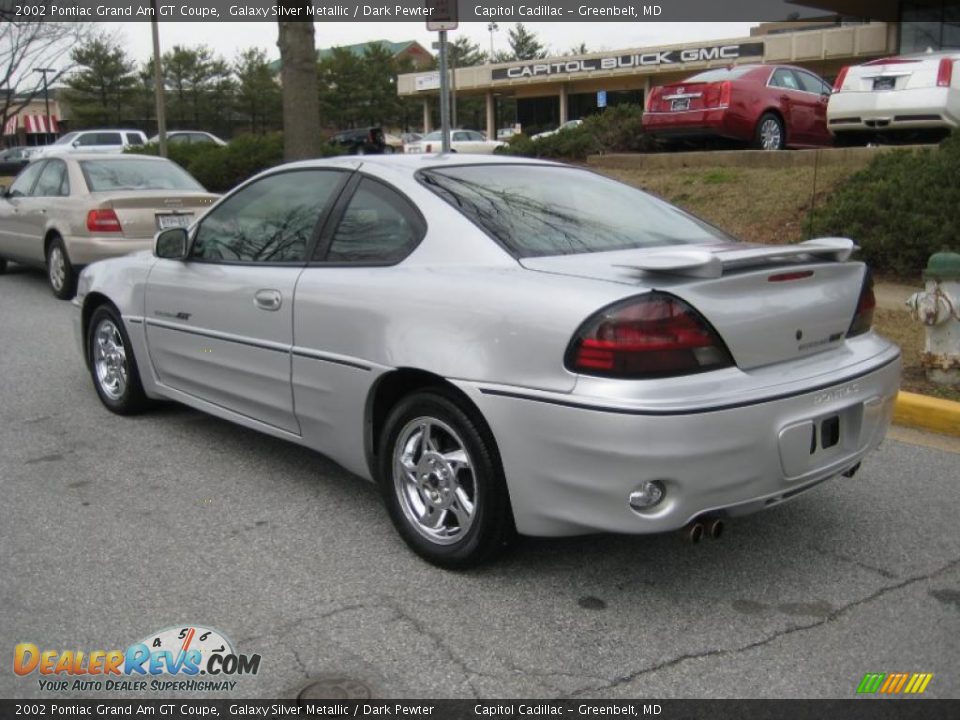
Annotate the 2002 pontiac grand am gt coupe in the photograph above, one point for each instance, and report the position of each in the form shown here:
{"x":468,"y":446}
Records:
{"x":504,"y":346}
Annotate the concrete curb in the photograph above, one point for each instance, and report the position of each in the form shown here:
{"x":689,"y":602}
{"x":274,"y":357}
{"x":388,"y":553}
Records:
{"x":927,"y":413}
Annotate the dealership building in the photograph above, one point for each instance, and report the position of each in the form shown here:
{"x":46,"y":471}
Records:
{"x":551,"y":91}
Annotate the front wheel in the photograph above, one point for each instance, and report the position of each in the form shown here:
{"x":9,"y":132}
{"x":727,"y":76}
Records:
{"x":440,"y":475}
{"x":3,"y":266}
{"x":112,"y":363}
{"x":770,"y":133}
{"x":60,"y":272}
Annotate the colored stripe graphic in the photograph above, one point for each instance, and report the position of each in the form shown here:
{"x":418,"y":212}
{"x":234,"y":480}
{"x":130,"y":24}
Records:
{"x":894,"y":683}
{"x":871,"y":682}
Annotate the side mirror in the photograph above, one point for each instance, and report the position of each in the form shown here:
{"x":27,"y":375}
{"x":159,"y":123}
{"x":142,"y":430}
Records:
{"x":171,"y":244}
{"x":76,"y":143}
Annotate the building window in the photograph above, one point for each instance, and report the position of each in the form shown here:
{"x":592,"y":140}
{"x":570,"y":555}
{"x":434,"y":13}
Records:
{"x":933,"y":24}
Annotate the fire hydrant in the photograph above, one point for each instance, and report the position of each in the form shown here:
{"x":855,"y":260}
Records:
{"x":938,"y":307}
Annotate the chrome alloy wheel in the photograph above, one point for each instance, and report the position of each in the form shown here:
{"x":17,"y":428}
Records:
{"x":57,"y":268}
{"x":434,"y":480}
{"x":110,"y":360}
{"x":771,"y":135}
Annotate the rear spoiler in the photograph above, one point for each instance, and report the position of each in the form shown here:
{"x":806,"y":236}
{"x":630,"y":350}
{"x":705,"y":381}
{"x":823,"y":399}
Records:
{"x":702,"y":262}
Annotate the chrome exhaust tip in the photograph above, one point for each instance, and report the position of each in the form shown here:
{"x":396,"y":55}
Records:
{"x":714,"y":527}
{"x":693,"y":532}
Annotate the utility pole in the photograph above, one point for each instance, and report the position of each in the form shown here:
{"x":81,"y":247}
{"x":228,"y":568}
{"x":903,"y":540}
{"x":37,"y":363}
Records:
{"x":492,"y":27}
{"x":46,"y":102}
{"x":158,"y":89}
{"x":453,"y":90}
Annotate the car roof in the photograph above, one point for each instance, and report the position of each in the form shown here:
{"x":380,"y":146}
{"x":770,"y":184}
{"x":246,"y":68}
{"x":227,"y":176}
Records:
{"x":417,"y":161}
{"x":123,"y":157}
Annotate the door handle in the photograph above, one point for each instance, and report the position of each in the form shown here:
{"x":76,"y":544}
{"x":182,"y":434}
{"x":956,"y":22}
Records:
{"x":268,"y":299}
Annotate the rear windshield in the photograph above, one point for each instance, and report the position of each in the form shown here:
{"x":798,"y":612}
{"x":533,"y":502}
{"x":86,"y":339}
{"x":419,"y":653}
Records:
{"x":108,"y":174}
{"x":719,"y":74}
{"x":542,"y":210}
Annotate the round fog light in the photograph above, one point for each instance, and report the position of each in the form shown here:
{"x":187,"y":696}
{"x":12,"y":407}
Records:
{"x":649,"y":494}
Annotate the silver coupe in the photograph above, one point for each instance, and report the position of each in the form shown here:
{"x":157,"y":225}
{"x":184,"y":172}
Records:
{"x":504,"y":346}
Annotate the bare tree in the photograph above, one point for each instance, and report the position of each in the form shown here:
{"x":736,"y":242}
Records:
{"x":298,"y":75}
{"x":27,"y":46}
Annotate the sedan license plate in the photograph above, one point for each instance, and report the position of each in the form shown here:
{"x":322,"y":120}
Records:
{"x":680,"y":104}
{"x":173,"y":220}
{"x":884,"y":83}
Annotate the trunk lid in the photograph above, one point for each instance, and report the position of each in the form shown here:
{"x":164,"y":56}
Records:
{"x":684,"y":97}
{"x":142,"y":212}
{"x":893,"y":74}
{"x":770,"y":304}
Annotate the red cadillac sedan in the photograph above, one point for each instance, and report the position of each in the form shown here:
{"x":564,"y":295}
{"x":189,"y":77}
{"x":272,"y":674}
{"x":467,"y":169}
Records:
{"x":769,"y":106}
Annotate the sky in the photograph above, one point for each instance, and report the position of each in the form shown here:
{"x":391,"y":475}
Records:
{"x":226,"y":39}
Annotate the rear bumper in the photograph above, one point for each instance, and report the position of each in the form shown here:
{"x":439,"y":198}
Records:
{"x":919,"y":109}
{"x":87,"y":249}
{"x":570,"y":466}
{"x":690,"y":124}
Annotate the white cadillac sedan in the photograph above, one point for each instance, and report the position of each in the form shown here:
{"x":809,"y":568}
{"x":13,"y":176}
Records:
{"x":909,"y":95}
{"x":461,"y":141}
{"x":503,"y":346}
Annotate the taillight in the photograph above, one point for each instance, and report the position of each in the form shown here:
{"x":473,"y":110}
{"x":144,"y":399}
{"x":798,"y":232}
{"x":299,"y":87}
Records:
{"x":103,"y":221}
{"x":863,"y":317}
{"x":653,"y":97}
{"x":838,"y":83}
{"x":725,"y":88}
{"x":945,"y":73}
{"x":655,"y":335}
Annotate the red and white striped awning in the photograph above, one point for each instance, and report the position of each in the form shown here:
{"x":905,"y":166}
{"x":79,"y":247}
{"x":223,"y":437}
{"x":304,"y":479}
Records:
{"x":10,"y":128}
{"x":37,"y":124}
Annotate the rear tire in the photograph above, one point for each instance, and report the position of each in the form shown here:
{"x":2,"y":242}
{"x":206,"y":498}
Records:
{"x":60,"y":273}
{"x":113,"y":365}
{"x":3,"y":266}
{"x":442,"y":481}
{"x":770,"y":133}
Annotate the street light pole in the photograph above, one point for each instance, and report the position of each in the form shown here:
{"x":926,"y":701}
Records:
{"x":492,"y":27}
{"x":46,"y":102}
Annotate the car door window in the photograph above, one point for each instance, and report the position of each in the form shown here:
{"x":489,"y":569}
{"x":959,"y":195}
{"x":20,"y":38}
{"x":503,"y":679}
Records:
{"x":378,"y":226}
{"x":783,"y":78}
{"x":811,"y":83}
{"x":270,"y":220}
{"x":461,"y":136}
{"x":53,"y":180}
{"x":475,"y":136}
{"x":134,"y":139}
{"x":25,"y":180}
{"x":178,"y":139}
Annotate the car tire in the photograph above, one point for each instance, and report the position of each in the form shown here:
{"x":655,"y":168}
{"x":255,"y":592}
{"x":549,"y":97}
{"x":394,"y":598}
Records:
{"x":112,"y":363}
{"x":447,"y":497}
{"x":60,"y":273}
{"x":3,"y":266}
{"x":770,"y":133}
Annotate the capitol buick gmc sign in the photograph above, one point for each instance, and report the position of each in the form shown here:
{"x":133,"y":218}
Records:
{"x":637,"y":60}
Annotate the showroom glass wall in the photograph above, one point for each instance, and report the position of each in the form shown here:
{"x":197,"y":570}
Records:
{"x":929,"y":24}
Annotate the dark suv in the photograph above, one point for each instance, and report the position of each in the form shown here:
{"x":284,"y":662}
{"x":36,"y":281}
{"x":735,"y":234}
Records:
{"x":361,"y":141}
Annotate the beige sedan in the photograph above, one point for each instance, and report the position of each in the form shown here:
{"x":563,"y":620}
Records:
{"x":66,"y":211}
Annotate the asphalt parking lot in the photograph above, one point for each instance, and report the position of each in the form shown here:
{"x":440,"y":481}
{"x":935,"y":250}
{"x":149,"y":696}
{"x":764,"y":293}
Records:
{"x":114,"y":528}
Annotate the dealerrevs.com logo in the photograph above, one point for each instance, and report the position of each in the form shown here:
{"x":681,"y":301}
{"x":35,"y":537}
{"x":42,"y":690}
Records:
{"x":190,"y":658}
